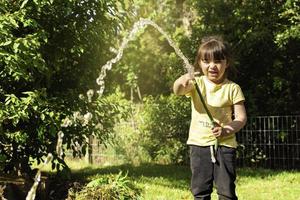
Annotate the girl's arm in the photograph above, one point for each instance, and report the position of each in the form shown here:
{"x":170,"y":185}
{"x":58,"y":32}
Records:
{"x":183,"y":85}
{"x":240,"y":119}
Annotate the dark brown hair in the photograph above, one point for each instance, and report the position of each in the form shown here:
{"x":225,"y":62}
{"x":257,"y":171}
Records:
{"x":215,"y":48}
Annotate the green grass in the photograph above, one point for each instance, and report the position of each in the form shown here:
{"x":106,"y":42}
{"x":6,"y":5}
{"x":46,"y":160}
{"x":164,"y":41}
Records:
{"x":165,"y":182}
{"x":268,"y":184}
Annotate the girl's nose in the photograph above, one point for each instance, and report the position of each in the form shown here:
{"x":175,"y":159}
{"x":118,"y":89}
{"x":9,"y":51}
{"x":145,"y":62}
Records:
{"x":212,"y":64}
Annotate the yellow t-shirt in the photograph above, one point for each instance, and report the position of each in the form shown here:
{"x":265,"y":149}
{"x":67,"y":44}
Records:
{"x":219,"y":99}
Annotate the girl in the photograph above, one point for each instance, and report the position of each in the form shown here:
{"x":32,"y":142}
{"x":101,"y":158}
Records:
{"x":225,"y":101}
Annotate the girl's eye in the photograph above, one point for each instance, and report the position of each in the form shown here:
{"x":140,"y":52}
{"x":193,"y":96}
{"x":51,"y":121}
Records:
{"x":205,"y":61}
{"x":217,"y":61}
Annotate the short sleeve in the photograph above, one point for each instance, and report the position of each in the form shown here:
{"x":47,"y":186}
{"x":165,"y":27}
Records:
{"x":237,"y":94}
{"x":190,"y":93}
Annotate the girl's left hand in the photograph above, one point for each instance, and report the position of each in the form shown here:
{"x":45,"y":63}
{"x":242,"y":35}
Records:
{"x":218,"y":130}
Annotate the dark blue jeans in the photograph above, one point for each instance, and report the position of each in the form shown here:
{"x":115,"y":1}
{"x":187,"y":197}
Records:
{"x":205,"y":172}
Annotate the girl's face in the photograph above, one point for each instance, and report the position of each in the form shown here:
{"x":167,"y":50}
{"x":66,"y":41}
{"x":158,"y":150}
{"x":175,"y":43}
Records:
{"x":214,"y":70}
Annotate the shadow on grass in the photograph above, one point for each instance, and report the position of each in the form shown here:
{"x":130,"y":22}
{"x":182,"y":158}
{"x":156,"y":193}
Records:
{"x":170,"y":175}
{"x":261,"y":172}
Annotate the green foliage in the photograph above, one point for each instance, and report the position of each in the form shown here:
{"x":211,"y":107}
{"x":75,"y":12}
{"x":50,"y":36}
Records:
{"x":97,"y":117}
{"x":165,"y":128}
{"x":255,"y":156}
{"x":290,"y":29}
{"x":265,"y":38}
{"x":20,"y":42}
{"x":22,"y":119}
{"x":33,"y":116}
{"x":110,"y":187}
{"x":49,"y":53}
{"x":157,"y":132}
{"x":128,"y":143}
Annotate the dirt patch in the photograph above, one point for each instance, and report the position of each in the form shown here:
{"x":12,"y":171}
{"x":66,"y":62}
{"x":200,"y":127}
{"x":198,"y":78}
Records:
{"x":50,"y":187}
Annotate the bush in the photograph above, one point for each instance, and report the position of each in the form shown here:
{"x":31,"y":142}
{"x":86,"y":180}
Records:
{"x":165,"y":128}
{"x":112,"y":187}
{"x":157,"y":131}
{"x":128,"y":141}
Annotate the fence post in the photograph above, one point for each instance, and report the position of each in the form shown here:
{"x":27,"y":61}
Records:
{"x":89,"y":150}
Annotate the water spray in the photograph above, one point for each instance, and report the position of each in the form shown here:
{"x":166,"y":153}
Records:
{"x":190,"y":69}
{"x":100,"y":81}
{"x":32,"y":192}
{"x":142,"y":23}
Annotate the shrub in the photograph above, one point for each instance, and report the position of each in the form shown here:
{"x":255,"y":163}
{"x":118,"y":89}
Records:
{"x":165,"y":128}
{"x":128,"y":141}
{"x":156,"y":131}
{"x":111,"y":187}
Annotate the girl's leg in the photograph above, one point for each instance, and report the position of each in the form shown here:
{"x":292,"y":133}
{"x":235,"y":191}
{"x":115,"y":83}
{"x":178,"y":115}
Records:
{"x":202,"y":172}
{"x":224,"y":172}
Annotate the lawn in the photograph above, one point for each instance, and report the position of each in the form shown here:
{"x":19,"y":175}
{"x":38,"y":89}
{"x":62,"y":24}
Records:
{"x":166,"y":182}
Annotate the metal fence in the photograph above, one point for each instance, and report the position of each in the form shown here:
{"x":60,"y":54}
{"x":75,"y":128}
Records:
{"x":266,"y":141}
{"x":96,"y":153}
{"x":270,"y":142}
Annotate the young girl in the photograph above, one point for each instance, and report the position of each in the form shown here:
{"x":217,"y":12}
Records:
{"x":225,"y":101}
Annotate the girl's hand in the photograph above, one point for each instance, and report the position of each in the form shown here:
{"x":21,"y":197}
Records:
{"x":235,"y":125}
{"x":218,"y":130}
{"x":185,"y":80}
{"x":183,"y":84}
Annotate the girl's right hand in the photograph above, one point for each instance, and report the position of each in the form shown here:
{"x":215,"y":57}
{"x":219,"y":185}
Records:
{"x":186,"y":80}
{"x":183,"y":84}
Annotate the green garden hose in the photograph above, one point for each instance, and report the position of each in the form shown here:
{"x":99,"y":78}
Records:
{"x":213,"y":123}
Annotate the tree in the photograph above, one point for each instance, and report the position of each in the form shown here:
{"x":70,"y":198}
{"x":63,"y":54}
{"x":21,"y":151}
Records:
{"x":257,"y":30}
{"x":50,"y":51}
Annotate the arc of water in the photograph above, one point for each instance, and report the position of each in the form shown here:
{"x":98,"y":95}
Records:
{"x":136,"y":27}
{"x":32,"y":192}
{"x":100,"y":81}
